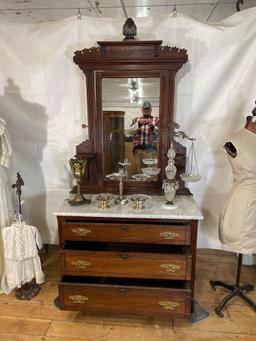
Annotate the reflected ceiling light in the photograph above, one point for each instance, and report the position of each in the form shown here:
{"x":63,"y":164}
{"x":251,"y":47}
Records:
{"x":96,"y":8}
{"x":133,"y":86}
{"x":174,"y":11}
{"x":135,"y":89}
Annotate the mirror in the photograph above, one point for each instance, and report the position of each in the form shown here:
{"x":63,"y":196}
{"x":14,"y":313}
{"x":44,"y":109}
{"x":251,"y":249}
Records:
{"x":111,"y":68}
{"x":130,"y":125}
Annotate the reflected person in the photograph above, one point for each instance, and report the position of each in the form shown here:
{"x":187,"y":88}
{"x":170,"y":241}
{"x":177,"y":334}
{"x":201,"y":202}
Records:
{"x":144,"y":130}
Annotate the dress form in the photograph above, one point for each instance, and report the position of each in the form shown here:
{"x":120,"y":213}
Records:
{"x":244,"y":182}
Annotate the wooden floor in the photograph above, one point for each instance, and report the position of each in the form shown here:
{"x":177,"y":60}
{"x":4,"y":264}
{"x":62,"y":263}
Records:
{"x":40,"y":320}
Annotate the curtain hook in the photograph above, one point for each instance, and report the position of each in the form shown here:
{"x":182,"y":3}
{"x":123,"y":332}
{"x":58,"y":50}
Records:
{"x":174,"y":11}
{"x":79,"y":14}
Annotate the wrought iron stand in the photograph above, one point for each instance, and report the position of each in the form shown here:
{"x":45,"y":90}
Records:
{"x":235,"y":290}
{"x":31,"y":289}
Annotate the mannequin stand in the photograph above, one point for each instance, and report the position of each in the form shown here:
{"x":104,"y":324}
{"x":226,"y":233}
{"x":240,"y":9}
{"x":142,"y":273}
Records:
{"x":235,"y":290}
{"x":31,"y":289}
{"x":27,"y":291}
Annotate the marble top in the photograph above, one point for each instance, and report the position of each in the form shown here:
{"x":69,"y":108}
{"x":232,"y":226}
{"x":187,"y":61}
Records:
{"x":186,"y":209}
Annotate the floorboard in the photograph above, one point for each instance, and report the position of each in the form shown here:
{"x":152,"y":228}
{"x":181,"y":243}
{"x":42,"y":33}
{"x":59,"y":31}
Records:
{"x":40,"y":320}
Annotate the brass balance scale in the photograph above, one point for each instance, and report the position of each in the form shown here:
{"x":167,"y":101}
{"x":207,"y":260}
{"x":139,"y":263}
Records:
{"x":170,"y":184}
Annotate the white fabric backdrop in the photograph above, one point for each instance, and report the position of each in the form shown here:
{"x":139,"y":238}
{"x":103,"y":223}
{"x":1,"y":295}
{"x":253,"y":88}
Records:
{"x":40,"y":97}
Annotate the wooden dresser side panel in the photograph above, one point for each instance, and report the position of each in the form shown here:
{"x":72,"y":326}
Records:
{"x":194,"y":224}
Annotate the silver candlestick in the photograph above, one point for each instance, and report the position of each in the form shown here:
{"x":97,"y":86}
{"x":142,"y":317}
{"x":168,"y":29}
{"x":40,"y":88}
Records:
{"x":121,"y":200}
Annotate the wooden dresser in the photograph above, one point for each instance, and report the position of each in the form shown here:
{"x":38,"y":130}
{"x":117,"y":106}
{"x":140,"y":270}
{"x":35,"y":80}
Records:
{"x":123,"y":261}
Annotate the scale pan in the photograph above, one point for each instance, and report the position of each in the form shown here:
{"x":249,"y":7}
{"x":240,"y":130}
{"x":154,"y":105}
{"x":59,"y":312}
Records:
{"x":190,"y":177}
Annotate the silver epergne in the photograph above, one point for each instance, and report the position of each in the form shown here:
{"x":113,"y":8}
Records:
{"x":121,"y":176}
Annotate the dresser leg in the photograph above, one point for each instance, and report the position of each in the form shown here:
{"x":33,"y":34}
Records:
{"x":198,"y":313}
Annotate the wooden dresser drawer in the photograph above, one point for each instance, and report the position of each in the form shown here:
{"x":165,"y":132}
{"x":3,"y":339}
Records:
{"x":127,"y":299}
{"x":126,"y":264}
{"x":118,"y":232}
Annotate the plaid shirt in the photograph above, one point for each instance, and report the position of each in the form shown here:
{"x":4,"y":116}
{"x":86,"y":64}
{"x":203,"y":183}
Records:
{"x":146,"y":132}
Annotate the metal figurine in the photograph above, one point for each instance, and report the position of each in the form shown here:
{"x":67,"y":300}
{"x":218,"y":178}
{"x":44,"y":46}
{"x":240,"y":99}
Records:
{"x":129,"y":29}
{"x":18,"y":185}
{"x":179,"y":133}
{"x":31,"y":289}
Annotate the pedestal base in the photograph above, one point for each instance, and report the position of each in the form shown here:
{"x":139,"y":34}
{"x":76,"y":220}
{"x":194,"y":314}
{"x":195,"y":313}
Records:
{"x":169,"y":206}
{"x":27,"y":291}
{"x":234,"y":290}
{"x":79,"y":199}
{"x":121,"y":201}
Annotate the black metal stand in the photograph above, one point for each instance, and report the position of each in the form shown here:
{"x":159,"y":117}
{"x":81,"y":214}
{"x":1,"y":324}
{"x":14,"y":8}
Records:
{"x":27,"y":291}
{"x":235,"y":290}
{"x":31,"y":289}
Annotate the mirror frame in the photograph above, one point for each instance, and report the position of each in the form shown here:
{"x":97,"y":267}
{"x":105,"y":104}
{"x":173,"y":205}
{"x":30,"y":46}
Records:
{"x":129,"y":58}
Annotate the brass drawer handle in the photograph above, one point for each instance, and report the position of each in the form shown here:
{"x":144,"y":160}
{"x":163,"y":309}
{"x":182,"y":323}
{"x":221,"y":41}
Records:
{"x":78,"y":299}
{"x":170,"y":267}
{"x":169,"y":235}
{"x":125,"y":228}
{"x":169,"y":305}
{"x":81,"y":231}
{"x":81,"y":264}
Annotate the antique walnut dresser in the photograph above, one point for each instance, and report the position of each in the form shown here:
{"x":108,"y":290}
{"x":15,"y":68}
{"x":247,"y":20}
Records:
{"x":120,"y":260}
{"x":123,"y":261}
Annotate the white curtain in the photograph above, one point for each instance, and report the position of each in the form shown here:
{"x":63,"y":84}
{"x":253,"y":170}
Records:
{"x":41,"y":94}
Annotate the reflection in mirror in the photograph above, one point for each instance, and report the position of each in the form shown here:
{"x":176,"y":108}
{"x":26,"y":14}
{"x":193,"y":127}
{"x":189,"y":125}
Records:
{"x":130,"y":127}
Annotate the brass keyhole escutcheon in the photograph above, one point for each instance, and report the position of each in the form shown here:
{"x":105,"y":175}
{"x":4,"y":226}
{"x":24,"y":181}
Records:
{"x":124,"y":256}
{"x":169,"y":235}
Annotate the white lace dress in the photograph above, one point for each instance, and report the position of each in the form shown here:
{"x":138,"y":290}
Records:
{"x":21,"y":260}
{"x":6,"y":211}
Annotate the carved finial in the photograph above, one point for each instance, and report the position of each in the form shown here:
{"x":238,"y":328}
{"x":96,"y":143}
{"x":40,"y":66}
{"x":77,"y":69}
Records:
{"x":129,"y":29}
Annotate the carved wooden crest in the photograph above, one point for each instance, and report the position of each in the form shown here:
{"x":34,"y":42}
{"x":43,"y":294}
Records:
{"x":134,"y":51}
